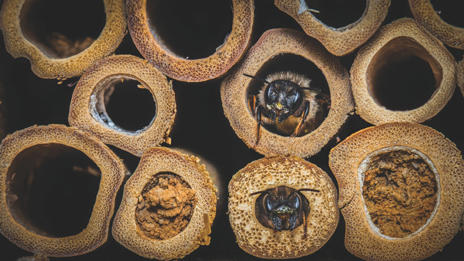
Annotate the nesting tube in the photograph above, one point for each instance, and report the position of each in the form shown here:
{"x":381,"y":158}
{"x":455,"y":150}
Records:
{"x":168,"y":206}
{"x":293,"y":48}
{"x":257,"y":187}
{"x":460,"y":76}
{"x":151,"y":44}
{"x":402,"y":74}
{"x":401,"y":191}
{"x":25,"y":160}
{"x":429,"y":17}
{"x":54,"y":54}
{"x":94,"y":91}
{"x":338,"y":41}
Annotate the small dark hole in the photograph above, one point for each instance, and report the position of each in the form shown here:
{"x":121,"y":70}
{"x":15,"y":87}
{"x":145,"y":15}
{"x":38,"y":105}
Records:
{"x":129,"y":105}
{"x":190,"y":29}
{"x":62,"y":28}
{"x":403,"y":79}
{"x":53,"y":189}
{"x":337,"y":13}
{"x":296,"y":65}
{"x":450,"y":11}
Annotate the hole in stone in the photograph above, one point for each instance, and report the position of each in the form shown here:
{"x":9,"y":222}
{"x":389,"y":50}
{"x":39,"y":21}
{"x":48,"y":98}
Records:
{"x":190,"y":29}
{"x":281,"y":208}
{"x":284,"y":73}
{"x":337,"y":13}
{"x":450,"y":11}
{"x":165,"y":207}
{"x":399,"y":190}
{"x":62,"y":28}
{"x":123,"y":103}
{"x":52,"y":189}
{"x":403,"y":75}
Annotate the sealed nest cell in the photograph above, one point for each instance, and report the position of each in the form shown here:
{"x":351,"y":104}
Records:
{"x":168,"y":206}
{"x":186,"y":40}
{"x":341,"y":26}
{"x":99,"y":103}
{"x":442,"y":18}
{"x":58,"y":187}
{"x":401,"y":191}
{"x":402,"y":74}
{"x":288,"y":97}
{"x":282,"y":207}
{"x":47,"y":34}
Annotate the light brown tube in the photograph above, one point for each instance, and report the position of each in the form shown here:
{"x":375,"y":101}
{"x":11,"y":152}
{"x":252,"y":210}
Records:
{"x":425,"y":14}
{"x":235,"y":100}
{"x":47,"y":65}
{"x":168,"y":181}
{"x":87,"y":110}
{"x":343,"y":40}
{"x":421,"y":151}
{"x":317,"y":226}
{"x":402,"y":38}
{"x":194,"y":70}
{"x":460,"y":75}
{"x":16,"y":226}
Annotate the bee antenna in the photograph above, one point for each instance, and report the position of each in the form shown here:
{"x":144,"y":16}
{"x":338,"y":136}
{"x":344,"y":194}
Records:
{"x":257,"y":192}
{"x":315,"y":89}
{"x":308,"y":189}
{"x":256,"y":78}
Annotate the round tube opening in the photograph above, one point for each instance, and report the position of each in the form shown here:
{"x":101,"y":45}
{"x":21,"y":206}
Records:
{"x":337,"y":13}
{"x":449,"y":11}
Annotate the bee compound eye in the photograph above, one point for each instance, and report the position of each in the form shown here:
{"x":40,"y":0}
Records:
{"x":268,"y":203}
{"x":294,"y":201}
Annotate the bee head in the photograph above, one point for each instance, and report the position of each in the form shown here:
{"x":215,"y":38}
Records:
{"x":282,"y":97}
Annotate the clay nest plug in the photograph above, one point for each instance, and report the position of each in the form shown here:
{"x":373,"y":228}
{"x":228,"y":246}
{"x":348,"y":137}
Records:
{"x":282,"y":207}
{"x":442,"y":18}
{"x":289,"y":96}
{"x":99,"y":103}
{"x":401,"y":191}
{"x":403,"y":73}
{"x":42,"y":169}
{"x":47,"y":34}
{"x":168,"y":206}
{"x":186,"y":40}
{"x":460,"y":75}
{"x":341,"y":26}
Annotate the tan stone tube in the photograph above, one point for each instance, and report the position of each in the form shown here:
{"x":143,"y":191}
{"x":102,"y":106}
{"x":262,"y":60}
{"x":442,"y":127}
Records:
{"x":155,"y":48}
{"x":428,"y":16}
{"x":402,"y":74}
{"x":401,"y":191}
{"x":94,"y":91}
{"x":282,"y":207}
{"x":57,"y":54}
{"x":168,"y":206}
{"x":285,"y":54}
{"x":460,"y":75}
{"x":342,"y":40}
{"x":29,"y":156}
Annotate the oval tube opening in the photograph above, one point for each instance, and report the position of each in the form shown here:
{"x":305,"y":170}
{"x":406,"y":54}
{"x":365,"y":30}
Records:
{"x":190,"y":29}
{"x":51,"y":25}
{"x":52,"y":189}
{"x":284,"y":88}
{"x":123,"y":103}
{"x":165,"y":206}
{"x":403,"y":75}
{"x":400,"y":191}
{"x":337,"y":13}
{"x":449,"y":11}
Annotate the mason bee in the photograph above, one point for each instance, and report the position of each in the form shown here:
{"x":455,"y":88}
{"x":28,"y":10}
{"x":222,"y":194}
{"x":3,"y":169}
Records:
{"x":282,"y":208}
{"x":288,"y":103}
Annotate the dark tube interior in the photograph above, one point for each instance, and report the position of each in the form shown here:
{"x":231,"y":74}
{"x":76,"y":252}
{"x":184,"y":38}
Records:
{"x":450,"y":11}
{"x":51,"y":25}
{"x":337,"y":13}
{"x":52,"y":189}
{"x":287,"y":62}
{"x":402,"y":75}
{"x":130,"y":105}
{"x":190,"y":29}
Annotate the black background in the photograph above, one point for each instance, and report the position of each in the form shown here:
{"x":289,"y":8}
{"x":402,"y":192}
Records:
{"x":201,"y":127}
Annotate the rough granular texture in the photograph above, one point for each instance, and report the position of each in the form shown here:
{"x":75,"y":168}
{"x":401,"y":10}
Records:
{"x":400,"y":192}
{"x":165,"y":207}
